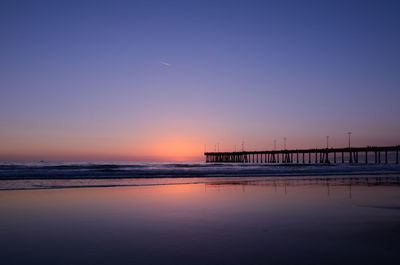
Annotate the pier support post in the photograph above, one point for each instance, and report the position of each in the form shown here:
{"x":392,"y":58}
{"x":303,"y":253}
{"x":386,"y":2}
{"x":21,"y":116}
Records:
{"x":327,"y":157}
{"x":316,"y":157}
{"x":303,"y":159}
{"x":397,"y":156}
{"x":309,"y":158}
{"x":379,"y":157}
{"x":334,"y":157}
{"x":342,"y":157}
{"x":350,"y":157}
{"x":386,"y":157}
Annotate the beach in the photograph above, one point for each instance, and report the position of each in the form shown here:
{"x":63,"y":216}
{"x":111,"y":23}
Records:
{"x":343,"y":219}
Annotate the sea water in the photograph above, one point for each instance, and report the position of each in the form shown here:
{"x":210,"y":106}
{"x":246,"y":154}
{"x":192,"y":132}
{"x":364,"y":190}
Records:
{"x":17,"y":175}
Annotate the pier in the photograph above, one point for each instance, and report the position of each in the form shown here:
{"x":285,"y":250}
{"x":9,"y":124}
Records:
{"x":351,"y":155}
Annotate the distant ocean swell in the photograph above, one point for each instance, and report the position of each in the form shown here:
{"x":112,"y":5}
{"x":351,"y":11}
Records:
{"x":10,"y":171}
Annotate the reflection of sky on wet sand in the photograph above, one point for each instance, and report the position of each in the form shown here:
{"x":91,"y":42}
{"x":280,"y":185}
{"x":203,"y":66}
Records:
{"x":286,"y":221}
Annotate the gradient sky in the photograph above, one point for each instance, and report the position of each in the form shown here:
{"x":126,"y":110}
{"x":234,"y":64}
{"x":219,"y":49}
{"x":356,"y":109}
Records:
{"x":147,"y":80}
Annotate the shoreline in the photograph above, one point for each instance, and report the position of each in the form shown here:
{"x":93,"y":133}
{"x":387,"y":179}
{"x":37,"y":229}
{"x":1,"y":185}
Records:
{"x":161,"y":176}
{"x":353,"y":179}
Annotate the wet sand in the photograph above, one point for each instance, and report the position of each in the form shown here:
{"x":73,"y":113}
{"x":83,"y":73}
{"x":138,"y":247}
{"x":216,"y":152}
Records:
{"x":288,"y":221}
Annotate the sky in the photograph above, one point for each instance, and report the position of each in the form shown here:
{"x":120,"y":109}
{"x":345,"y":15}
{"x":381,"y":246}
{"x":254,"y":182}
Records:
{"x":166,"y":80}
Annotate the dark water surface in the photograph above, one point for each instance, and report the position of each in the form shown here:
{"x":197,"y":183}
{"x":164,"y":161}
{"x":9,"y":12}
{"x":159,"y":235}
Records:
{"x":117,"y":170}
{"x":335,"y":220}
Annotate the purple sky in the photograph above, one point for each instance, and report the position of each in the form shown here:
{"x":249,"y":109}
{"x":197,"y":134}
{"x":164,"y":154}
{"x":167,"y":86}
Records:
{"x":131,"y":80}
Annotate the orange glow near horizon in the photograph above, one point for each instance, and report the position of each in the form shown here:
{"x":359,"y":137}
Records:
{"x":175,"y":148}
{"x":150,"y":148}
{"x":155,"y":142}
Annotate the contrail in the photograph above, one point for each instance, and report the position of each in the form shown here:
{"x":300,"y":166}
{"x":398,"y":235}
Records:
{"x":165,"y":63}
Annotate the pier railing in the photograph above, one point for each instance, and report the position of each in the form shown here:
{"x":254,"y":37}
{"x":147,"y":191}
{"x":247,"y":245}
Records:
{"x":366,"y":155}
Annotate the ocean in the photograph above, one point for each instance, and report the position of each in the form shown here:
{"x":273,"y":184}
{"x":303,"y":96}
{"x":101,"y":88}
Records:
{"x":35,"y":175}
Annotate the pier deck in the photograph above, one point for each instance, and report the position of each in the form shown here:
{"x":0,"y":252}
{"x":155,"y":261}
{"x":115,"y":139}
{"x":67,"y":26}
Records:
{"x":369,"y":154}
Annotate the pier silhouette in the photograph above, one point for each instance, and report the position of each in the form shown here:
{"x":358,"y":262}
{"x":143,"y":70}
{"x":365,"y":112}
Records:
{"x":371,"y":155}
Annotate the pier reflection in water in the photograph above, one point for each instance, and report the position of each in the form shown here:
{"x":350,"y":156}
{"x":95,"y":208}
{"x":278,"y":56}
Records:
{"x":296,"y":220}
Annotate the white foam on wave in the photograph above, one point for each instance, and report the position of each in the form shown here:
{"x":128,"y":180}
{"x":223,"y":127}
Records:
{"x":88,"y":174}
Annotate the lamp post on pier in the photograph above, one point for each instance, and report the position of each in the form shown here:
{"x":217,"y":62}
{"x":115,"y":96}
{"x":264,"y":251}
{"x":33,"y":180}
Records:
{"x":349,"y":133}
